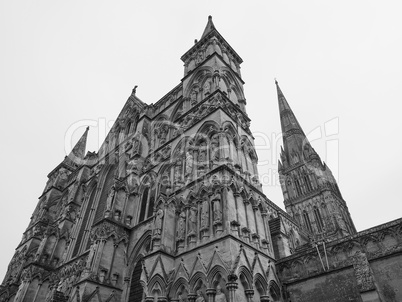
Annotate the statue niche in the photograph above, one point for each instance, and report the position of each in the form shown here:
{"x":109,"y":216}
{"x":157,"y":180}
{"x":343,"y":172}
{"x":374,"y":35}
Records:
{"x":157,"y":228}
{"x":215,"y":150}
{"x":217,"y":211}
{"x":181,"y":228}
{"x":192,"y":225}
{"x":202,"y":159}
{"x":204,"y":216}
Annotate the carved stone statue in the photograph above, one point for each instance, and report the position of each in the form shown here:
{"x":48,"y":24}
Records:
{"x":217,"y":207}
{"x":181,"y":299}
{"x":158,"y":222}
{"x":181,"y":226}
{"x":202,"y":157}
{"x":215,"y":148}
{"x":136,"y":145}
{"x":207,"y":88}
{"x":177,"y":172}
{"x":200,"y":298}
{"x":193,"y":220}
{"x":220,"y":296}
{"x":193,"y":97}
{"x":132,"y":166}
{"x":91,"y":254}
{"x":163,"y":132}
{"x":109,"y":200}
{"x":205,"y":214}
{"x":189,"y":163}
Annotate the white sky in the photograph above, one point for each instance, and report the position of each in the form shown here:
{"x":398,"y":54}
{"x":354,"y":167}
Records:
{"x":69,"y":63}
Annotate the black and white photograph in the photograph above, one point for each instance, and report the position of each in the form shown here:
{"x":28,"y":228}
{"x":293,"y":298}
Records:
{"x":201,"y":151}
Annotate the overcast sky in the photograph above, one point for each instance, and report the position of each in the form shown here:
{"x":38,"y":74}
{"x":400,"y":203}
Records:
{"x":68,"y":64}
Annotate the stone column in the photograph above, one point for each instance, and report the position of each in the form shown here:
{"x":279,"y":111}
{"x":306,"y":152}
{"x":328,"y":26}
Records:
{"x":211,"y":294}
{"x":22,"y":290}
{"x":249,"y":294}
{"x":191,"y":297}
{"x":232,"y":286}
{"x":264,"y":299}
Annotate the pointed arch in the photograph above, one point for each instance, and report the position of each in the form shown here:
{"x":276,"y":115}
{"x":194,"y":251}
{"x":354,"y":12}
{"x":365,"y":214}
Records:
{"x":260,"y":284}
{"x":136,"y":289}
{"x":216,"y":271}
{"x":197,"y":78}
{"x":274,"y":290}
{"x":196,"y":279}
{"x":157,"y":282}
{"x":164,"y":179}
{"x":147,"y":193}
{"x":209,"y":128}
{"x":246,"y":277}
{"x":177,"y":285}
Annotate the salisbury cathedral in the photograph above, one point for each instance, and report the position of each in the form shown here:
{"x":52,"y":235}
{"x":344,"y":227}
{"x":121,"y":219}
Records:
{"x":171,"y":208}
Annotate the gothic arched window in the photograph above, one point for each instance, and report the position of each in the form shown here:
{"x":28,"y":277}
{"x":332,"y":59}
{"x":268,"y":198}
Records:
{"x":151,"y":202}
{"x":307,"y":222}
{"x":85,"y":226}
{"x":318,"y":219}
{"x":128,"y":128}
{"x":297,"y":184}
{"x":136,"y":289}
{"x":144,"y":201}
{"x":308,"y":183}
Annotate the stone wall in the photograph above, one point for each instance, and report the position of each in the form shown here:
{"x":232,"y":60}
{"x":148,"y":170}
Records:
{"x":363,"y":267}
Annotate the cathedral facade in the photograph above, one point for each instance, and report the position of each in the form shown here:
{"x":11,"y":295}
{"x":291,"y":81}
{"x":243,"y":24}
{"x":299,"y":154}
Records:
{"x":171,"y":209}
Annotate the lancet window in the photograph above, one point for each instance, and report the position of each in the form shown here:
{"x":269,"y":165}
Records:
{"x":147,"y":199}
{"x":307,"y":222}
{"x":318,"y":219}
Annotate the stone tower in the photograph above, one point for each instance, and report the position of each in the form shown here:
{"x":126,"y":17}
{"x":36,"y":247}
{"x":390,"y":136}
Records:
{"x":169,"y":208}
{"x":311,"y":194}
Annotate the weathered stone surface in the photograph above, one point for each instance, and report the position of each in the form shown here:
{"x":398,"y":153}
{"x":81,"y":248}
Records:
{"x":170,"y":208}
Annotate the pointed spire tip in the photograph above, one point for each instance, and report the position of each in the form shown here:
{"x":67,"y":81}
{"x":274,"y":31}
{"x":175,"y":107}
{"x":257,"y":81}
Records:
{"x":87,"y":128}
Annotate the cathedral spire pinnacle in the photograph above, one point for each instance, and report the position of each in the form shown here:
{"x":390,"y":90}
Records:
{"x":210,"y":27}
{"x":289,"y":124}
{"x":78,"y":152}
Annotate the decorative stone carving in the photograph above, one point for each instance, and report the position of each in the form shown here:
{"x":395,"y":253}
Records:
{"x":364,"y":276}
{"x":189,"y":163}
{"x":193,"y":221}
{"x":181,"y":226}
{"x":109,"y":200}
{"x":205,"y":214}
{"x":106,"y":229}
{"x":158,"y":223}
{"x":200,"y":297}
{"x":216,"y":199}
{"x":220,"y":296}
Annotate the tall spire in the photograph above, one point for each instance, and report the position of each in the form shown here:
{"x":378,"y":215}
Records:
{"x":307,"y":182}
{"x":210,"y":27}
{"x":288,"y":119}
{"x":294,"y":139}
{"x":78,"y":152}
